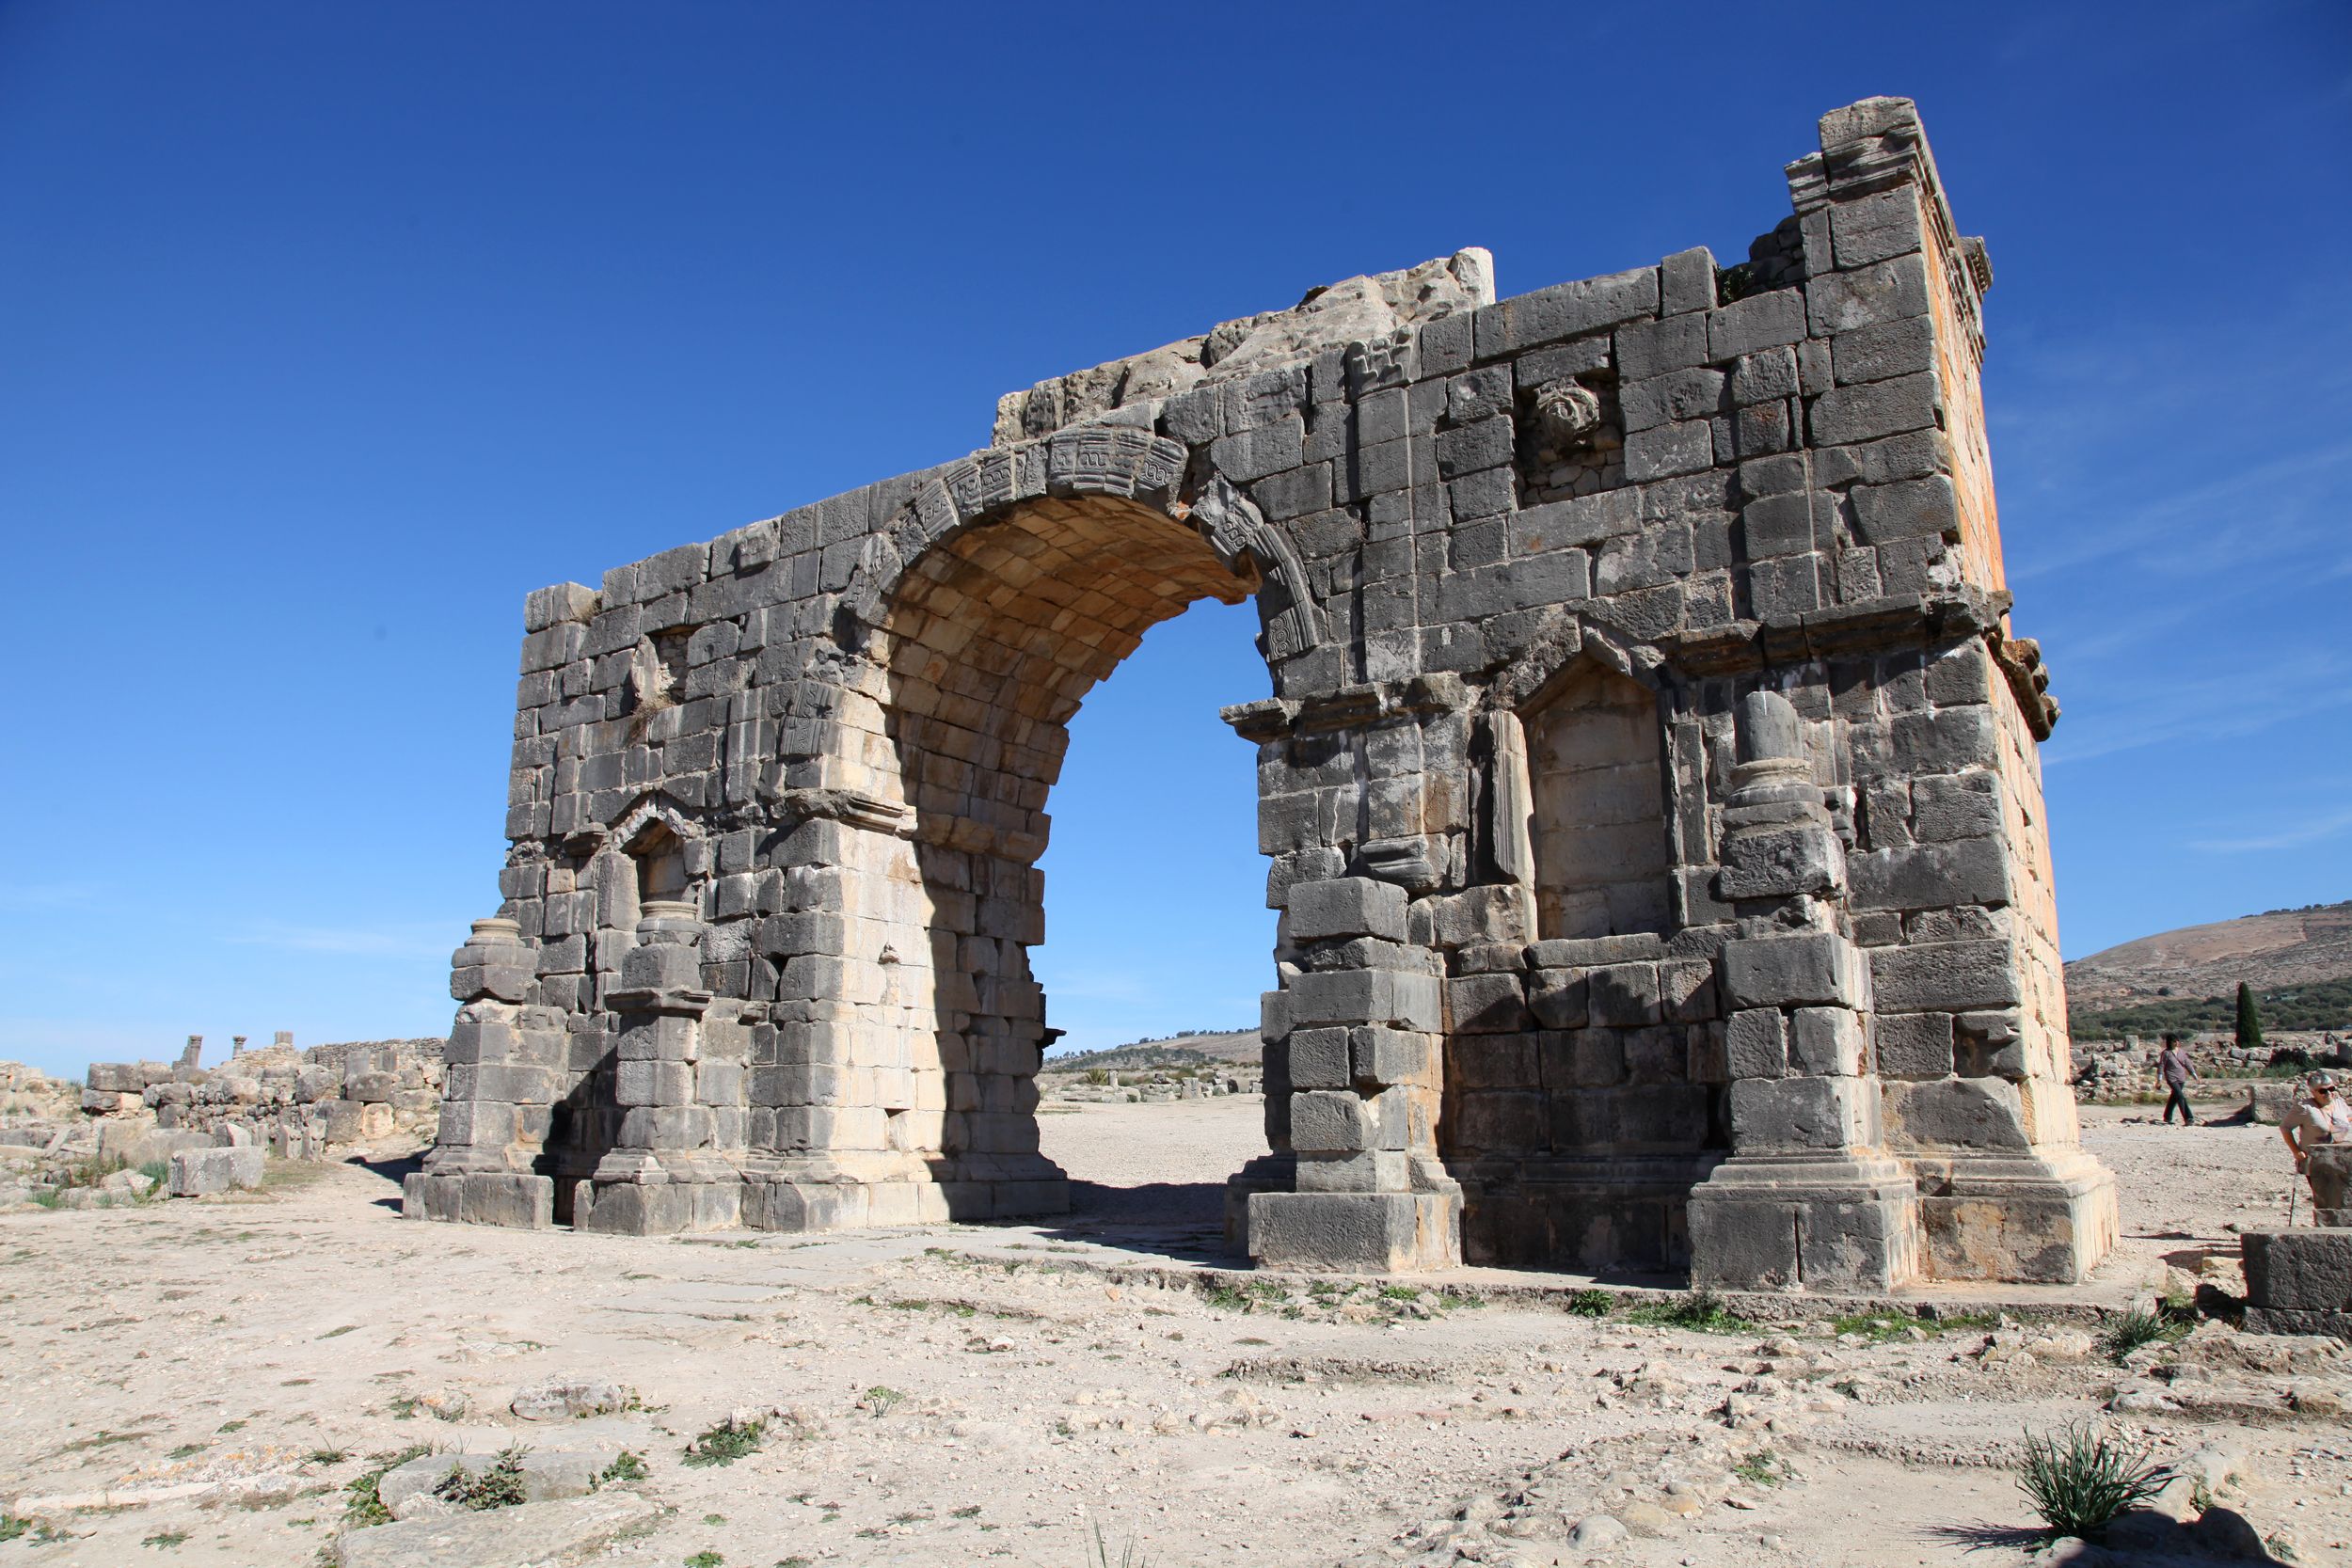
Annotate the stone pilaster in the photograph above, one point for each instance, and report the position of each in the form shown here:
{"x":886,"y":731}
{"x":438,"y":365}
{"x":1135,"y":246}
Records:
{"x":663,"y":1175}
{"x":1808,"y":1199}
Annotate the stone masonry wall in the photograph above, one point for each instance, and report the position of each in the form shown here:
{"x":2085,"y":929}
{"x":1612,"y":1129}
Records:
{"x":1648,"y":790}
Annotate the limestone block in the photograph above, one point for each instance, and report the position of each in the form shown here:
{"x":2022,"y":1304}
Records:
{"x":1934,"y":876}
{"x":1914,"y":1045}
{"x":1330,"y":1122}
{"x":1346,"y":907}
{"x":566,"y":1531}
{"x":2306,"y":1270}
{"x":1481,"y":1005}
{"x":1814,"y":968}
{"x":370,"y":1087}
{"x":1560,"y":998}
{"x":1796,"y":1115}
{"x":1944,"y":976}
{"x":376,"y":1120}
{"x":1354,"y":1232}
{"x":1756,"y":1043}
{"x":1686,"y":991}
{"x":1386,"y":1057}
{"x":564,"y":1399}
{"x":494,"y":1197}
{"x":1624,"y":996}
{"x":1367,"y":996}
{"x":102,"y":1103}
{"x":1320,"y":1059}
{"x":199,"y":1172}
{"x":1776,"y":863}
{"x":1958,"y":1113}
{"x":1827,"y":1041}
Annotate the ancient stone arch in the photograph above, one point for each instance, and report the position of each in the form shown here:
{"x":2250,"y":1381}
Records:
{"x":1649,"y":790}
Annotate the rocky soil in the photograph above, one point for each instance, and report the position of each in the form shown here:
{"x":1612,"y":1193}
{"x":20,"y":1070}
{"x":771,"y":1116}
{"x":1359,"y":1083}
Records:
{"x":204,"y":1382}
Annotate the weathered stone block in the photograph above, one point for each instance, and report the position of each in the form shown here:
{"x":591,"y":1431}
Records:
{"x":1624,"y":996}
{"x":201,"y":1172}
{"x":1486,"y":1005}
{"x":1914,"y":1045}
{"x":1756,"y":1043}
{"x":1956,"y":1113}
{"x":1772,"y":1115}
{"x":1346,"y":907}
{"x":1944,"y":976}
{"x":1814,"y":969}
{"x":1826,"y":1041}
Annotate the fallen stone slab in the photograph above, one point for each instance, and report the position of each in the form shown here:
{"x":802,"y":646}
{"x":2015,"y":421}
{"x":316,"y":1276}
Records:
{"x":533,"y":1535}
{"x":564,"y":1399}
{"x":196,"y":1172}
{"x":548,"y":1475}
{"x":2299,"y":1281}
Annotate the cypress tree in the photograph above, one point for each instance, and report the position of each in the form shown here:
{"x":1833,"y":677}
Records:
{"x":2250,"y":1019}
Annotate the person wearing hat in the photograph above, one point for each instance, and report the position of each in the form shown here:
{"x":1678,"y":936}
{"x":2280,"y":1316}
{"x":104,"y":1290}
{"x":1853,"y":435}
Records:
{"x":2319,"y":1133}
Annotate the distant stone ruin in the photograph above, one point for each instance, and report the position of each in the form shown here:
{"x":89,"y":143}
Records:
{"x":1649,"y":782}
{"x":297,"y":1104}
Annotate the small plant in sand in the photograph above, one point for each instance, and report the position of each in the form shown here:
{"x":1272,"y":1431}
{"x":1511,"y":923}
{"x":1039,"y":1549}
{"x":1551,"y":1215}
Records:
{"x":1592,"y":1304}
{"x":1099,"y":1552}
{"x":625,"y":1465}
{"x":2079,"y":1480}
{"x":1701,"y":1311}
{"x":725,"y":1443}
{"x":2122,"y":1336}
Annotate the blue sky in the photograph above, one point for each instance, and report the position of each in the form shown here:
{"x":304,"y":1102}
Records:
{"x":332,"y":330}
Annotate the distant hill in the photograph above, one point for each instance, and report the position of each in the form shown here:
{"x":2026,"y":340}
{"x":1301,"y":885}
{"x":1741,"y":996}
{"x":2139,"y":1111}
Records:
{"x":2298,"y":961}
{"x":1228,"y":1045}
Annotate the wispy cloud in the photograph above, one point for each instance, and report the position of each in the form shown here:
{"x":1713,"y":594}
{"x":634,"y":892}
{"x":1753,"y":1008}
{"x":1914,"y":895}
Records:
{"x":2223,"y":703}
{"x":2311,"y":831}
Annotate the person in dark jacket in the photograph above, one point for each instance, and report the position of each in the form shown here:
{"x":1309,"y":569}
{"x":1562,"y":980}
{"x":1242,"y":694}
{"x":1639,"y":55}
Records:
{"x":2176,"y":1069}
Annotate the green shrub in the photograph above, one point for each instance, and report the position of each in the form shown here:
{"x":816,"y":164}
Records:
{"x":2125,"y":1334}
{"x":500,"y":1486}
{"x":625,"y":1466}
{"x":1592,"y":1304}
{"x":1701,"y":1311}
{"x":725,"y":1443}
{"x":2079,"y":1481}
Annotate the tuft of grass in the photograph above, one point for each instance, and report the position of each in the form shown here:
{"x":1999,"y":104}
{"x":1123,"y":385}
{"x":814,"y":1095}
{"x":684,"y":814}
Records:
{"x":2124,"y":1335}
{"x":725,"y":1443}
{"x":2078,"y":1479}
{"x":166,"y":1538}
{"x":706,"y":1560}
{"x":326,"y":1456}
{"x":500,"y":1486}
{"x":1592,"y":1304}
{"x":625,"y":1465}
{"x":969,"y":1510}
{"x":11,"y":1526}
{"x":880,"y":1398}
{"x":1762,"y":1469}
{"x":1400,"y":1292}
{"x":1700,"y":1311}
{"x":1099,"y":1552}
{"x":186,"y":1450}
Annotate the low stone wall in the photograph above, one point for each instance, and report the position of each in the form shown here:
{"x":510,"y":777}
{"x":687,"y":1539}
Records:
{"x":298,"y":1104}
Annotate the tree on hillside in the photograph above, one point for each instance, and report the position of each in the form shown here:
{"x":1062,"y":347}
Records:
{"x":2250,"y":1019}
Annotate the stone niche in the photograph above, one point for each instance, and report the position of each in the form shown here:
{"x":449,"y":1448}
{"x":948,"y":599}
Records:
{"x":1649,"y":791}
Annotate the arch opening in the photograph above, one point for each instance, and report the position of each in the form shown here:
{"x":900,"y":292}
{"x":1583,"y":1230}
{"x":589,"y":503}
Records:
{"x":989,"y":642}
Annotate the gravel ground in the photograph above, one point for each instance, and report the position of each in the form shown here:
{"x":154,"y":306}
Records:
{"x":215,"y":1373}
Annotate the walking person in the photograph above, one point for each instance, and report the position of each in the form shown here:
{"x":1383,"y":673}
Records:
{"x":2173,"y":1065}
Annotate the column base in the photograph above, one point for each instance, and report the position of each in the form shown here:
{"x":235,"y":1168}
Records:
{"x":1354,"y":1232}
{"x":657,"y":1208}
{"x":1806,"y":1223}
{"x":521,"y":1201}
{"x":2023,"y":1217}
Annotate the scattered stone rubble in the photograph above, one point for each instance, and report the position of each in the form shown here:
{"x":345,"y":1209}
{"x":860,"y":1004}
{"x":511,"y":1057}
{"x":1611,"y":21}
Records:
{"x":1651,"y":789}
{"x":1148,"y":1086}
{"x":2125,"y":1072}
{"x":95,"y":1143}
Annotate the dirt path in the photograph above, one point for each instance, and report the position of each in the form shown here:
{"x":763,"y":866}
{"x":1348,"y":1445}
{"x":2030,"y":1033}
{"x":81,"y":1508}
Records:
{"x":961,"y":1394}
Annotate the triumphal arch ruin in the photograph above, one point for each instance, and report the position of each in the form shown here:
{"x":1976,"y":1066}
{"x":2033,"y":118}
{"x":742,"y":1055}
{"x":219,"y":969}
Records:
{"x":1649,"y":786}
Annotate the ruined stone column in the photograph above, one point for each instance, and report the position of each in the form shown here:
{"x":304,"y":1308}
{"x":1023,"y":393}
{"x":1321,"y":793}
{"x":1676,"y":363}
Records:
{"x":1808,"y":1198}
{"x":662,"y":1175}
{"x":495,"y":1093}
